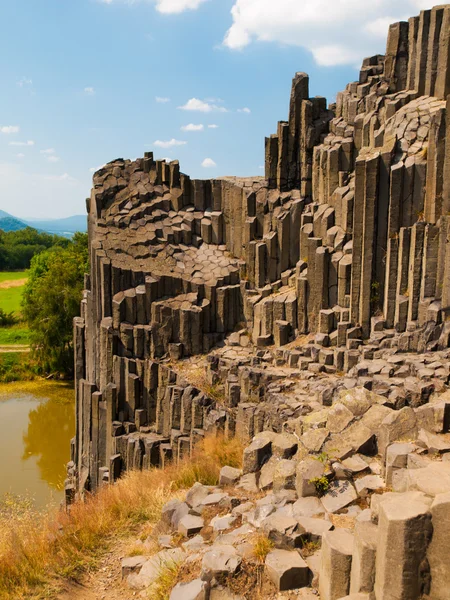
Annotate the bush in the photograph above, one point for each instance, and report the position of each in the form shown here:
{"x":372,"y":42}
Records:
{"x":7,"y":319}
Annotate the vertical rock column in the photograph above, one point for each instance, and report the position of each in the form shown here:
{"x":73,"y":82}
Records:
{"x":404,"y":531}
{"x":368,"y":242}
{"x":299,"y":92}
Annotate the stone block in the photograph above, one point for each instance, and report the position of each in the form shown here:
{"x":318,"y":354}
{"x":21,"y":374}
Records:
{"x":364,"y":555}
{"x":287,"y":570}
{"x":438,"y":554}
{"x":335,"y":566}
{"x":256,"y":455}
{"x":404,"y":531}
{"x":339,"y":495}
{"x":195,"y":590}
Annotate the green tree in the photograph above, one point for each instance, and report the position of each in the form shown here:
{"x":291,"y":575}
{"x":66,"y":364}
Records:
{"x":52,"y":299}
{"x":17,"y":248}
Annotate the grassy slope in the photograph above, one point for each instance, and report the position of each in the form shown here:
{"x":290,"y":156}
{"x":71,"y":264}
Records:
{"x":12,"y":275}
{"x":17,"y":334}
{"x":10,"y":299}
{"x":38,"y":550}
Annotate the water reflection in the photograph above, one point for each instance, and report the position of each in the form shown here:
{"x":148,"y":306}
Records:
{"x":50,"y":428}
{"x":37,"y":424}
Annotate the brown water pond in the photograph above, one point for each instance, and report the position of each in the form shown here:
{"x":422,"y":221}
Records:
{"x":37,"y":422}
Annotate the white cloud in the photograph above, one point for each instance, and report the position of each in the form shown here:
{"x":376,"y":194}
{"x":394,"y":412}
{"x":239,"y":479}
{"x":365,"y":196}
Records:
{"x":169,"y":144}
{"x":208,"y":163}
{"x":89,"y":91}
{"x":195,"y":104}
{"x":63,"y":177}
{"x":28,"y":143}
{"x":162,"y":100}
{"x":192,"y":127}
{"x":213,"y":126}
{"x":20,"y":155}
{"x":24,"y":81}
{"x":95,"y":169}
{"x":244,"y":110}
{"x":48,"y":151}
{"x":7,"y":129}
{"x":53,"y":159}
{"x":169,"y":7}
{"x":177,"y":6}
{"x":334,"y":32}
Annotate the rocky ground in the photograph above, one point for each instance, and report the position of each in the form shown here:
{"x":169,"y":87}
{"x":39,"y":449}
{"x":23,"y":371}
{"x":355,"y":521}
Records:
{"x":357,"y":502}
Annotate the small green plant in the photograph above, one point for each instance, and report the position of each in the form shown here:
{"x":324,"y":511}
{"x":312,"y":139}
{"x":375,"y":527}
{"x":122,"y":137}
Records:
{"x":321,"y":484}
{"x":323,"y":457}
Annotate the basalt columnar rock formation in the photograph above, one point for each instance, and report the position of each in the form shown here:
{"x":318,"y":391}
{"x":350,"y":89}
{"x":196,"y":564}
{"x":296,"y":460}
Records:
{"x":244,"y":305}
{"x":306,"y":312}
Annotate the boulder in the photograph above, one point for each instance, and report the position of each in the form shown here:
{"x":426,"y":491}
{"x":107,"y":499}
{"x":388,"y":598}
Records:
{"x":190,"y":525}
{"x":223,"y":523}
{"x":369,"y":483}
{"x":195,"y":590}
{"x":313,"y":529}
{"x":314,"y":439}
{"x":287,"y":570}
{"x":284,"y":445}
{"x":400,"y":425}
{"x":255,"y":455}
{"x":151,"y":569}
{"x":339,"y":417}
{"x":431,"y":480}
{"x":284,"y":475}
{"x":339,"y":495}
{"x":132,"y":564}
{"x":196,"y":494}
{"x":435,"y":444}
{"x":308,"y":470}
{"x":220,"y":560}
{"x":283,"y":531}
{"x":229,"y":476}
{"x":307,"y":507}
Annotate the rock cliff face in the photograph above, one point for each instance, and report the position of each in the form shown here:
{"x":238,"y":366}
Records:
{"x":330,"y":272}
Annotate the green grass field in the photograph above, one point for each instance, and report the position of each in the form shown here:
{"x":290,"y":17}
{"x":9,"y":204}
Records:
{"x":17,"y":334}
{"x":12,"y":275}
{"x":10,"y":297}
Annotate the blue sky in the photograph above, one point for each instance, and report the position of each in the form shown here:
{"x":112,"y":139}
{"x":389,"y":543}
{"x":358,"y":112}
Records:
{"x":81,"y":78}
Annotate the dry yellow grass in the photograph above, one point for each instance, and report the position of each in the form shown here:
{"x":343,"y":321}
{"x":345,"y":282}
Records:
{"x":262,"y":547}
{"x":38,"y":549}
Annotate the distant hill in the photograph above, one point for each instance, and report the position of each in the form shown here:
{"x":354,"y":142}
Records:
{"x":66,"y":227}
{"x":8,"y":223}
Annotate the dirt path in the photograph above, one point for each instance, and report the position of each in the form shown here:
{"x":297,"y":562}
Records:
{"x":14,"y":348}
{"x":13,"y":283}
{"x":105,"y":583}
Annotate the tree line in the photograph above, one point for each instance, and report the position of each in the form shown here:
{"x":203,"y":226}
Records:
{"x":52,"y":299}
{"x":17,"y":248}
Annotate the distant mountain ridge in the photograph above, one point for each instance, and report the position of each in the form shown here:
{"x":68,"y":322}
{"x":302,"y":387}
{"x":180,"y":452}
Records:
{"x":66,"y":226}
